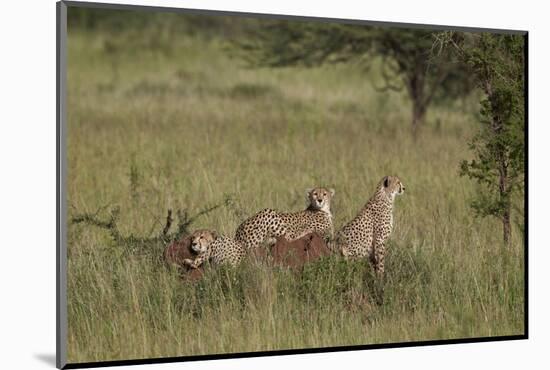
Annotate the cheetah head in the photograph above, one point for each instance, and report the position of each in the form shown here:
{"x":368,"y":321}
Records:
{"x":319,"y":198}
{"x":201,"y":240}
{"x":392,"y":186}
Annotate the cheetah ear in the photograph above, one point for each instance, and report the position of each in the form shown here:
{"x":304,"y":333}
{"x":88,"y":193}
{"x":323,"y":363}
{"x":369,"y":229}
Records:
{"x":332,"y":191}
{"x":308,"y":191}
{"x":386,"y":181}
{"x":215,"y":234}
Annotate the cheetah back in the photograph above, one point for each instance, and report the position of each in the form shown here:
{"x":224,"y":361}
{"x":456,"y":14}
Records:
{"x":258,"y":228}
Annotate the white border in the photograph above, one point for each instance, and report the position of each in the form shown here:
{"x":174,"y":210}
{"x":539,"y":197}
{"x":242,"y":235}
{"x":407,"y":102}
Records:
{"x":28,"y":182}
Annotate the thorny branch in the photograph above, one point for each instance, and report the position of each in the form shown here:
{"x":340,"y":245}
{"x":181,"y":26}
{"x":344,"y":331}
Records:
{"x":141,"y":244}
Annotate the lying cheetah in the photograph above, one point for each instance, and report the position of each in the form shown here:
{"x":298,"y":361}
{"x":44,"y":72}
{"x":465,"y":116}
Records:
{"x":209,"y":246}
{"x":269,"y":224}
{"x":366,"y":234}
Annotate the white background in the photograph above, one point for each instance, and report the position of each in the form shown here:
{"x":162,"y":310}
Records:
{"x":27,"y":203}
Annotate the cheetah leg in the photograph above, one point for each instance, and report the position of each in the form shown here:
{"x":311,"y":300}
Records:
{"x":240,"y":255}
{"x":329,"y":235}
{"x":341,"y":246}
{"x":270,"y":241}
{"x":196,"y":263}
{"x":336,"y":247}
{"x":377,"y":258}
{"x":378,"y":255}
{"x":345,"y":252}
{"x":253,"y":242}
{"x":276,"y":230}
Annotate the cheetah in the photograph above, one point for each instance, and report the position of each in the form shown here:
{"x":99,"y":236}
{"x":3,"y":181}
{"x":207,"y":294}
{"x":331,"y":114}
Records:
{"x":366,"y":234}
{"x":212,"y":247}
{"x":268,"y":224}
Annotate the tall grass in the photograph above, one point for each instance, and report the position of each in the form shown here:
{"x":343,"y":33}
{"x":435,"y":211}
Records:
{"x":150,"y":130}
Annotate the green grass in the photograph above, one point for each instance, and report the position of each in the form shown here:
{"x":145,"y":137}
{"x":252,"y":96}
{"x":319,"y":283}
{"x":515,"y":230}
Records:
{"x":184,"y":126}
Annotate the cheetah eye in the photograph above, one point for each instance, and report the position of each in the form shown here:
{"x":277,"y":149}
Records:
{"x":324,"y":194}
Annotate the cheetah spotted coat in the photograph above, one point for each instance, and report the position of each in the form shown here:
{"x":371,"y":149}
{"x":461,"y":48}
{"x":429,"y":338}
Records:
{"x":366,"y":234}
{"x":222,"y":250}
{"x":268,"y":224}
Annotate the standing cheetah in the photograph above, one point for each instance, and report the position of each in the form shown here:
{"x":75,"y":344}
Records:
{"x":209,"y":246}
{"x":367,"y":233}
{"x":269,"y":224}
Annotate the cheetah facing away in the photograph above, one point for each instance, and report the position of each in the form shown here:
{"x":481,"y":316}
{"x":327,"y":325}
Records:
{"x":209,"y":246}
{"x":269,"y":224}
{"x":366,"y":234}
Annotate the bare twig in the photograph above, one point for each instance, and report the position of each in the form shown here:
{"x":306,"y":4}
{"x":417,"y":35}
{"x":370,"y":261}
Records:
{"x":169,"y":221}
{"x":140,"y":244}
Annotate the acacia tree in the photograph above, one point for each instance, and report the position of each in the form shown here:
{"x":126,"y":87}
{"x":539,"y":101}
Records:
{"x":408,"y":60}
{"x":408,"y":56}
{"x":497,"y":62}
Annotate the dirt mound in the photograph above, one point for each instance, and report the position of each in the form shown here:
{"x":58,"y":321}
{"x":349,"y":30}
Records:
{"x":293,"y":254}
{"x":176,"y":252}
{"x":297,"y":253}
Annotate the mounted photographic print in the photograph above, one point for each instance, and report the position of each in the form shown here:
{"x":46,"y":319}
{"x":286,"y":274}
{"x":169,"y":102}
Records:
{"x":235,"y":184}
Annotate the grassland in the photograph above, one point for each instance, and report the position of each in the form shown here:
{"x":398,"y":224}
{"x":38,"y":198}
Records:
{"x":185,"y":126}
